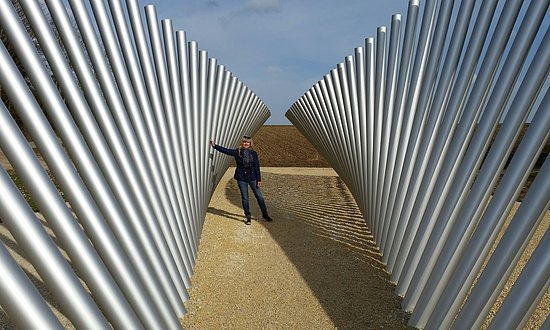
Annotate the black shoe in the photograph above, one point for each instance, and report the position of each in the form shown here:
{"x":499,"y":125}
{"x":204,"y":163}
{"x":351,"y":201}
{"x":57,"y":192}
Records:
{"x":248,"y":222}
{"x":267,"y":218}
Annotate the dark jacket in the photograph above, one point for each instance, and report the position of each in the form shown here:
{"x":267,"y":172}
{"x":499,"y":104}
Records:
{"x":243,"y":173}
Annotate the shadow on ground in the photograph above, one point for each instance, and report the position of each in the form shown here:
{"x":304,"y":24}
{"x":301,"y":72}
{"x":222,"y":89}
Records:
{"x":319,"y":226}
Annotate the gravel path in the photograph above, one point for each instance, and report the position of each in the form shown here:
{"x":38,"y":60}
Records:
{"x":314,"y":266}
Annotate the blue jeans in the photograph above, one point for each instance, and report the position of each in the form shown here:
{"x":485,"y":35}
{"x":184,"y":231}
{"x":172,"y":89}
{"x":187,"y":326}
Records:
{"x":243,"y":186}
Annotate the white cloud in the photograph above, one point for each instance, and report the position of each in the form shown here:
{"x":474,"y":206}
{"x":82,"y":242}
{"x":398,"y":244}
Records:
{"x":262,"y":6}
{"x":279,"y":49}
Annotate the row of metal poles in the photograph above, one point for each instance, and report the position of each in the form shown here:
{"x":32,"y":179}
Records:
{"x":121,"y":113}
{"x":410,"y":125}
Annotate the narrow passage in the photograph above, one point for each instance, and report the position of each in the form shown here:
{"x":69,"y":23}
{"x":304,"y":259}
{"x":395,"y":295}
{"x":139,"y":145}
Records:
{"x":314,"y":266}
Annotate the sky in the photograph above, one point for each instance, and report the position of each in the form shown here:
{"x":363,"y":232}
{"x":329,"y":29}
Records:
{"x":279,"y":48}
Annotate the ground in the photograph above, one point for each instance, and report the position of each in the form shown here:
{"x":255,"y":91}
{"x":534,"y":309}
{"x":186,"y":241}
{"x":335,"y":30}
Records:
{"x":315,"y":266}
{"x":285,"y":146}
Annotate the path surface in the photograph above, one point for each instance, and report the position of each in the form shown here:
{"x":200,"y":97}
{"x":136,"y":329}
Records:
{"x":315,"y":266}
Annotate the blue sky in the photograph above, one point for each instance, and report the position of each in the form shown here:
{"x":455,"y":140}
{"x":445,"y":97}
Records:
{"x":279,"y":48}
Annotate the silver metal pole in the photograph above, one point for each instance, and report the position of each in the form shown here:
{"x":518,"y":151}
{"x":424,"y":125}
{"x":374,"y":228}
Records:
{"x":176,"y":127}
{"x":370,"y":80}
{"x":95,"y":272}
{"x":202,"y":147}
{"x":389,"y":103}
{"x":379,"y":96}
{"x":397,"y":121}
{"x":430,"y":96}
{"x":468,"y":167}
{"x":444,"y":109}
{"x":520,"y":230}
{"x":137,"y":242}
{"x":410,"y":104}
{"x":184,"y":56}
{"x":458,"y":145}
{"x":194,"y":92}
{"x":528,"y":289}
{"x":151,"y":143}
{"x":147,"y":88}
{"x":20,"y":299}
{"x":480,"y":192}
{"x":214,"y":82}
{"x":362,"y":126}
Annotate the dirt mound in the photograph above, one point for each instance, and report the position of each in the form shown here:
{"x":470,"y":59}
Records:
{"x":285,"y":146}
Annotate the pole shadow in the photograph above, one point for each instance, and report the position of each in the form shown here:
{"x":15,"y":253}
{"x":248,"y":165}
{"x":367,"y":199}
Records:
{"x":321,"y":230}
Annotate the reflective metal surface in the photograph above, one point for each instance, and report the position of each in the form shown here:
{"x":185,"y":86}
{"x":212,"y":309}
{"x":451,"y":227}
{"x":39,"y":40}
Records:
{"x":123,"y":121}
{"x":418,"y":151}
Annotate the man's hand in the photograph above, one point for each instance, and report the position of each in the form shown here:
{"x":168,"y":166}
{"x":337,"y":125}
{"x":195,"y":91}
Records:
{"x":259,"y":184}
{"x":212,"y":144}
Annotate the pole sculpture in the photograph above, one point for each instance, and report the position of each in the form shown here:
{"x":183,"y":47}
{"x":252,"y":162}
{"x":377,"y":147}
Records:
{"x":411,"y":138}
{"x":122,"y":115}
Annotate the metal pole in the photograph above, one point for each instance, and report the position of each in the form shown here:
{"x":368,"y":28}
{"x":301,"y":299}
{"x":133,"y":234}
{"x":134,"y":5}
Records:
{"x":145,"y":255}
{"x":176,"y":129}
{"x":20,"y":299}
{"x":528,"y":289}
{"x":389,"y":103}
{"x":444,"y":110}
{"x":370,"y":80}
{"x":480,"y":192}
{"x":184,"y":58}
{"x":379,"y":96}
{"x":151,"y":143}
{"x":458,"y":145}
{"x":410,"y":104}
{"x":425,"y":121}
{"x":33,"y":239}
{"x":148,"y":93}
{"x":95,"y":272}
{"x":520,"y":230}
{"x":397,"y":122}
